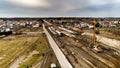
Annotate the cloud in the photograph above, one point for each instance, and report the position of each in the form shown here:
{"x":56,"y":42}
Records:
{"x":67,"y":5}
{"x":102,"y":2}
{"x":60,"y":7}
{"x":70,"y":5}
{"x":30,"y":3}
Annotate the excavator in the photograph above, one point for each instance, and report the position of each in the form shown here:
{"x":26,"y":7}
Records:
{"x":95,"y":45}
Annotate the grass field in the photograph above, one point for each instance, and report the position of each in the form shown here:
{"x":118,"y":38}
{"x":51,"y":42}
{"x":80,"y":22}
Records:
{"x":38,"y":29}
{"x":42,"y":47}
{"x":105,"y":32}
{"x":11,"y":49}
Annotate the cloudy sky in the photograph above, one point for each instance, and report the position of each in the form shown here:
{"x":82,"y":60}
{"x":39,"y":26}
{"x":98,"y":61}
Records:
{"x":62,"y":8}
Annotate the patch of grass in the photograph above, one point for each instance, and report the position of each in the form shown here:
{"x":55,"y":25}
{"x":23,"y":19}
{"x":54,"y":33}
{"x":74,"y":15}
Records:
{"x":36,"y":29}
{"x":106,"y":32}
{"x":109,"y":35}
{"x":42,"y":47}
{"x":12,"y":49}
{"x":30,"y":61}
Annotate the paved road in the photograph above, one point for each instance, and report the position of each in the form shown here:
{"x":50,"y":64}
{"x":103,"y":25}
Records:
{"x":60,"y":56}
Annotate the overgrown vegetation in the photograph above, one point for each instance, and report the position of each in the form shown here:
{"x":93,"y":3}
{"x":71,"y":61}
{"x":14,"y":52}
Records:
{"x":10,"y":50}
{"x":42,"y":47}
{"x":113,"y":33}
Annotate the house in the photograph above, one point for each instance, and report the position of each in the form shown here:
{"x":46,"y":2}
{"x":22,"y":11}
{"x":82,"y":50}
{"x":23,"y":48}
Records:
{"x":1,"y":23}
{"x":104,"y":23}
{"x":83,"y":25}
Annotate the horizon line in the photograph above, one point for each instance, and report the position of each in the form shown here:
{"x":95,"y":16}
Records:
{"x":61,"y":17}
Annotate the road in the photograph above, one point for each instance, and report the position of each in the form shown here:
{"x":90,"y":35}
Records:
{"x":60,"y":56}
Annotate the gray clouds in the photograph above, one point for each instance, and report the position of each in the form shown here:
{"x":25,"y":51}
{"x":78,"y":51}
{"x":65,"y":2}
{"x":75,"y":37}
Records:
{"x":59,"y":8}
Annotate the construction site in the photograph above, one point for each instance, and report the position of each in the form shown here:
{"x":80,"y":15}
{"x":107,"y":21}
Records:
{"x":84,"y":47}
{"x":60,"y":43}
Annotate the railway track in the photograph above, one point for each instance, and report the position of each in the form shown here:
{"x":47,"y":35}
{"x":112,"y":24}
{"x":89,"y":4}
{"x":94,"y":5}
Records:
{"x":88,"y":58}
{"x":85,"y":56}
{"x":105,"y":59}
{"x":108,"y":52}
{"x":60,"y":56}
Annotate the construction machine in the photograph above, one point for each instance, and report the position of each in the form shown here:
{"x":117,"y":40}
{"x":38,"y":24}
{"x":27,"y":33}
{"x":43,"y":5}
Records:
{"x":95,"y":45}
